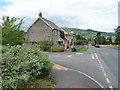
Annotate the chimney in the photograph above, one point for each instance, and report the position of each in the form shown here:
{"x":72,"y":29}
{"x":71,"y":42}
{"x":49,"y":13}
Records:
{"x":40,"y":14}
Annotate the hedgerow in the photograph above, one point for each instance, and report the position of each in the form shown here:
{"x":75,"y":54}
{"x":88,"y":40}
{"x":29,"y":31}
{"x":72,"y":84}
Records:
{"x":57,"y":49}
{"x":20,"y":65}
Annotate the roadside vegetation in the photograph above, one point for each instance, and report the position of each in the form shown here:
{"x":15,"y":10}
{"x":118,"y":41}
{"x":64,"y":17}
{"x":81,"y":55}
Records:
{"x":38,"y":84}
{"x":57,"y":49}
{"x":11,"y":32}
{"x":23,"y":67}
{"x":44,"y":45}
{"x":82,"y":49}
{"x":101,"y":40}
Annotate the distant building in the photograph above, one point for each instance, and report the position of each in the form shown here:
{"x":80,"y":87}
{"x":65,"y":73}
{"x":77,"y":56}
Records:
{"x":44,"y":30}
{"x":69,"y":39}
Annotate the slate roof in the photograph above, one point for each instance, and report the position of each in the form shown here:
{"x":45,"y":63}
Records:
{"x":49,"y":23}
{"x":53,"y":25}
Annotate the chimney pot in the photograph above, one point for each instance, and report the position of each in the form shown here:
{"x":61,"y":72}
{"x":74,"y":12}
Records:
{"x":40,"y":14}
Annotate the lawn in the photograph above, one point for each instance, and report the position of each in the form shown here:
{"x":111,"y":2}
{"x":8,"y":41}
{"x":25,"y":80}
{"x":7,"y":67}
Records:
{"x":82,"y":49}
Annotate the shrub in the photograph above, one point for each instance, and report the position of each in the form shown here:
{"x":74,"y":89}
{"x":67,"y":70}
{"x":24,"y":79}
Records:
{"x":80,"y":42}
{"x":57,"y":49}
{"x":44,"y":45}
{"x":20,"y":65}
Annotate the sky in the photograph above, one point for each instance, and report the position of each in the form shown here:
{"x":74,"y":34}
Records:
{"x":100,"y":15}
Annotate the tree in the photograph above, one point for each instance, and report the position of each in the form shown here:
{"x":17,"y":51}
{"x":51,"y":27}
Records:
{"x":117,"y":30}
{"x":103,"y":40}
{"x":110,"y":40}
{"x":80,"y":40}
{"x":11,"y":33}
{"x":79,"y":37}
{"x":62,"y":35}
{"x":98,"y":38}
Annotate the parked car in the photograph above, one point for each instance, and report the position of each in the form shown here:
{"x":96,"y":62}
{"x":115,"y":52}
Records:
{"x":97,"y":46}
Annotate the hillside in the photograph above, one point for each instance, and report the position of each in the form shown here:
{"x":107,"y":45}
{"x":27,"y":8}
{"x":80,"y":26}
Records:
{"x":90,"y":34}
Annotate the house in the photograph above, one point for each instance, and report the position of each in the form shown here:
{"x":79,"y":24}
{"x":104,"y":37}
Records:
{"x":44,"y":30}
{"x":69,"y":39}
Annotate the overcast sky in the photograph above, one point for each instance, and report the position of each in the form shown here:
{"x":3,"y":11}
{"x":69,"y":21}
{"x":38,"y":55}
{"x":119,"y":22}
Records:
{"x":100,"y":15}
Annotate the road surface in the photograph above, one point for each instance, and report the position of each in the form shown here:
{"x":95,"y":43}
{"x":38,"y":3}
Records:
{"x":99,"y":63}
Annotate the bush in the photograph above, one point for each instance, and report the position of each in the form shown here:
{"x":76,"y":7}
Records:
{"x":57,"y":49}
{"x":80,"y":42}
{"x":45,"y":45}
{"x":20,"y":65}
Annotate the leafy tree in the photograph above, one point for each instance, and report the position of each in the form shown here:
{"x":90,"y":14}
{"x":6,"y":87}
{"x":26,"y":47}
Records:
{"x":110,"y":40}
{"x":11,"y":33}
{"x":98,"y":38}
{"x":62,"y":34}
{"x":80,"y":40}
{"x":103,"y":40}
{"x":117,"y":30}
{"x":79,"y":37}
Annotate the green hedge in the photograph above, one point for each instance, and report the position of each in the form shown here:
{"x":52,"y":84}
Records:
{"x":45,"y":45}
{"x":20,"y":65}
{"x":57,"y":49}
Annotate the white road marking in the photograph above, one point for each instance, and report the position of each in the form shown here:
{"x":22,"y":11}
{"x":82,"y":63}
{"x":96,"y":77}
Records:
{"x":99,"y":63}
{"x":103,"y":70}
{"x":105,"y":74}
{"x":111,"y":87}
{"x":69,"y":55}
{"x":101,"y":67}
{"x":93,"y":56}
{"x":96,"y":56}
{"x":108,"y":81}
{"x":86,"y":76}
{"x":89,"y":78}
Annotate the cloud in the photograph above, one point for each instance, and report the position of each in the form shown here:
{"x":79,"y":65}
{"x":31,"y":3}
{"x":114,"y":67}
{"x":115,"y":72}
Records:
{"x":100,"y":15}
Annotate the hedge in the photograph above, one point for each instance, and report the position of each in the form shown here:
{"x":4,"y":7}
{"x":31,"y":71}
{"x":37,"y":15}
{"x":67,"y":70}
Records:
{"x":57,"y":49}
{"x":20,"y":65}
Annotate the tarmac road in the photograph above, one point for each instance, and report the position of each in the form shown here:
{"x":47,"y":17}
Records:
{"x":98,"y":63}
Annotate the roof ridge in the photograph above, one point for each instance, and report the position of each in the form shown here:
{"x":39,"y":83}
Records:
{"x":46,"y":22}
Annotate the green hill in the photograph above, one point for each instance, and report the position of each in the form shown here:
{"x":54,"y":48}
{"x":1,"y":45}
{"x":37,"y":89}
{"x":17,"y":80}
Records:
{"x":89,"y":33}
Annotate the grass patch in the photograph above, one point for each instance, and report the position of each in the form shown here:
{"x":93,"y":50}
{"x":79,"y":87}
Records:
{"x":82,"y":49}
{"x":39,"y":83}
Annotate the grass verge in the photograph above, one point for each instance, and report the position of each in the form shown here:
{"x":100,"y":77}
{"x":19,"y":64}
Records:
{"x":39,"y":84}
{"x":82,"y":49}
